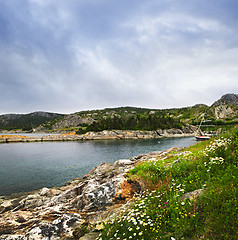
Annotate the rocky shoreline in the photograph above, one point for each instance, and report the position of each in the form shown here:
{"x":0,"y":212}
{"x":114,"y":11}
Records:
{"x":104,"y":135}
{"x":61,"y":213}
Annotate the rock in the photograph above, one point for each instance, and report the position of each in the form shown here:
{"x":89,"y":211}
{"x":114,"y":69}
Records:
{"x":122,"y":163}
{"x":44,"y":191}
{"x":61,"y":226}
{"x":95,"y":196}
{"x":127,"y":189}
{"x":71,"y":120}
{"x":100,"y":170}
{"x":57,"y":213}
{"x":174,"y":131}
{"x":90,"y":236}
{"x":193,"y":195}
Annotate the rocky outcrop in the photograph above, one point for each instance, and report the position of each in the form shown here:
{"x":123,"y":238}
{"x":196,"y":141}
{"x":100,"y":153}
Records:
{"x":72,"y":120}
{"x":128,"y":134}
{"x":59,"y":213}
{"x":224,"y":111}
{"x":186,"y":131}
{"x":19,"y":138}
{"x":226,"y":107}
{"x":227,"y":99}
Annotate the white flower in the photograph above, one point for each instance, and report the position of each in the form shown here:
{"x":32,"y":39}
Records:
{"x":182,"y":203}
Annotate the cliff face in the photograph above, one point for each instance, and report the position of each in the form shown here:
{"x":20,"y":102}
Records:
{"x":226,"y":107}
{"x":72,"y":120}
{"x":227,"y":99}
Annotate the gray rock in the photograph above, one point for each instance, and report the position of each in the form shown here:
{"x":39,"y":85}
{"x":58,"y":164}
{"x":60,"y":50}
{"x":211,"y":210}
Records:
{"x":44,"y":191}
{"x":95,"y":196}
{"x":100,"y":170}
{"x":54,"y":230}
{"x":122,"y":163}
{"x":193,"y":195}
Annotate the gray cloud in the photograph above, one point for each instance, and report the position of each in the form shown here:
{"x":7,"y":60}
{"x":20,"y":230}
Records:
{"x":65,"y":56}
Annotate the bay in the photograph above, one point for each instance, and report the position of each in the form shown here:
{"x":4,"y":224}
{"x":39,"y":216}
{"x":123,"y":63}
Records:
{"x":26,"y":167}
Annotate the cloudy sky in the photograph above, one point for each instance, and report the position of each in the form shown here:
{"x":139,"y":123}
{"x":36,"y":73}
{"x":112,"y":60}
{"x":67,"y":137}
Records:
{"x":71,"y":55}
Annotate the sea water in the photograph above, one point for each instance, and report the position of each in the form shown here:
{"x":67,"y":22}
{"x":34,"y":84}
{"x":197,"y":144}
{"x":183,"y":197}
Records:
{"x":29,"y":166}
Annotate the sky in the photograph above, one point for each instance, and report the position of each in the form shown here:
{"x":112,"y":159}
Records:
{"x":65,"y":56}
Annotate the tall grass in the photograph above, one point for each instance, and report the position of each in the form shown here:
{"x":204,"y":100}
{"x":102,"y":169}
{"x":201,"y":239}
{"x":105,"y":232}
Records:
{"x":164,"y":213}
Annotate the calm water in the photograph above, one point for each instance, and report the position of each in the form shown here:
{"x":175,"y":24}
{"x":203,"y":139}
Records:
{"x":29,"y":166}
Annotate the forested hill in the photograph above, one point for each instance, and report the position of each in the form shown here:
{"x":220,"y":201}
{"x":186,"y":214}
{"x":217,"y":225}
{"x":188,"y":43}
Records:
{"x":224,"y":111}
{"x":26,"y":121}
{"x":137,"y":121}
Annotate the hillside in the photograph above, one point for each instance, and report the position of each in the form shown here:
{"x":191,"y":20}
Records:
{"x":221,"y":113}
{"x":226,"y":107}
{"x":26,"y":121}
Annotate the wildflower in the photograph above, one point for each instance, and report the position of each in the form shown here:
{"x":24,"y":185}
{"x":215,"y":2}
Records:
{"x":182,"y":203}
{"x":172,"y":238}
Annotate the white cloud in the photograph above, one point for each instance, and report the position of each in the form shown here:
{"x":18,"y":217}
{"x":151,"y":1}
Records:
{"x":79,"y":54}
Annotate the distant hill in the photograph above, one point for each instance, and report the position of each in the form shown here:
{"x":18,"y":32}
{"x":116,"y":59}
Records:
{"x":26,"y":121}
{"x":226,"y":108}
{"x":224,"y":111}
{"x":227,"y":99}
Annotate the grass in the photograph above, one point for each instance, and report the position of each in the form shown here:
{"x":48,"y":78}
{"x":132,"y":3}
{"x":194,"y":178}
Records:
{"x":162,"y":212}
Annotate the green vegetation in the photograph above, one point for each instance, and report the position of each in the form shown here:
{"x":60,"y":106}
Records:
{"x":26,"y":121}
{"x":221,"y":115}
{"x":131,"y":118}
{"x":134,"y":122}
{"x":162,"y":212}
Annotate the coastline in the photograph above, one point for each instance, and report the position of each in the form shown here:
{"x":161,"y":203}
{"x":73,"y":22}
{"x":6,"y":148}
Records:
{"x":58,"y":212}
{"x":103,"y":135}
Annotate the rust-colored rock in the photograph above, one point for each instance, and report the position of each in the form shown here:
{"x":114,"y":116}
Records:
{"x":127,"y":190}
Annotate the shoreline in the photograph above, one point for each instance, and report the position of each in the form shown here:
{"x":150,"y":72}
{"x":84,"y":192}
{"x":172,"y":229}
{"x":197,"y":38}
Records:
{"x":59,"y":211}
{"x":103,"y":135}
